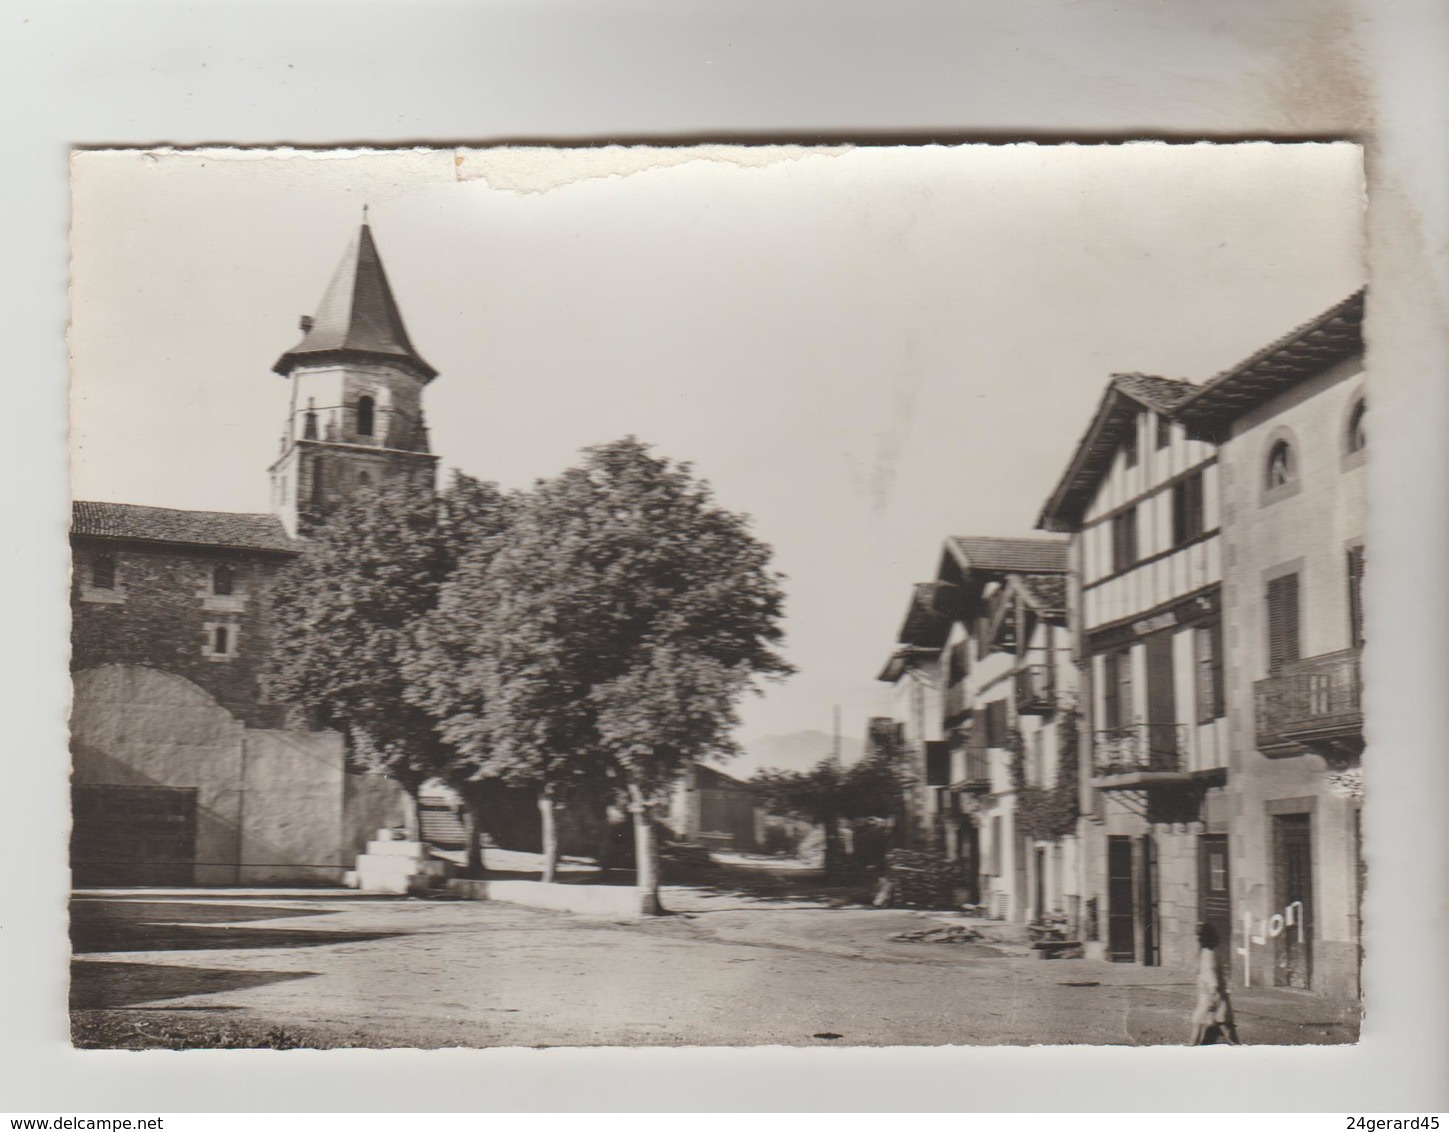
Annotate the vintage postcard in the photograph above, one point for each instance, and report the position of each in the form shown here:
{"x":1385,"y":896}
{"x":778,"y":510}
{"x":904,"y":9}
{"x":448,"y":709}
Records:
{"x":718,"y":596}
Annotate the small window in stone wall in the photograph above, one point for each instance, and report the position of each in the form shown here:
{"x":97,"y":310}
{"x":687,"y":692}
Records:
{"x":223,"y":580}
{"x":220,"y":641}
{"x":365,"y":407}
{"x":103,"y":572}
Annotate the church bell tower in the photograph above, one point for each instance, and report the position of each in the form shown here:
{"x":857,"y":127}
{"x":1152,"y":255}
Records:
{"x":356,"y":416}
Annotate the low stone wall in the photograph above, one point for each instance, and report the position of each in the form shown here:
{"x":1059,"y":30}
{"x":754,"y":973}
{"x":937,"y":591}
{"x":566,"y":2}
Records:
{"x":589,"y":899}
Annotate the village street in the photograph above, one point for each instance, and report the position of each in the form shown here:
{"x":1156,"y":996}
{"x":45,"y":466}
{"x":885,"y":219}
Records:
{"x":334,"y":968}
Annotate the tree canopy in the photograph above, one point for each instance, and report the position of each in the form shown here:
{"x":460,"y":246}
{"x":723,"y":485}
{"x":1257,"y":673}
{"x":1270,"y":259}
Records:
{"x":349,"y":604}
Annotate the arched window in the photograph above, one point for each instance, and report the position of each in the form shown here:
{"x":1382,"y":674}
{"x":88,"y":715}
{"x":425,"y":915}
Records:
{"x":1282,"y":468}
{"x":223,"y":579}
{"x":1357,"y":438}
{"x":364,"y":416}
{"x":221,"y":640}
{"x":364,"y":480}
{"x":103,"y":572}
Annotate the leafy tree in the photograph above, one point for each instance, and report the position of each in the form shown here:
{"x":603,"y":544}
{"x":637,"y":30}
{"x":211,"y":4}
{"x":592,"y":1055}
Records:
{"x":828,"y":793}
{"x":346,"y":610}
{"x":608,"y":637}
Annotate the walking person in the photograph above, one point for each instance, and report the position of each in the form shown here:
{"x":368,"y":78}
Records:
{"x":1212,"y":1018}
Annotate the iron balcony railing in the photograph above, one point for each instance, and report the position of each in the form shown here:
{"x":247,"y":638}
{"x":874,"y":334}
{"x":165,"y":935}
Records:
{"x":1316,"y":697}
{"x":1035,"y":694}
{"x":978,"y":767}
{"x":1156,"y":747}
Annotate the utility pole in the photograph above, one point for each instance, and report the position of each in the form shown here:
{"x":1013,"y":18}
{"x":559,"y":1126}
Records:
{"x":835,"y":741}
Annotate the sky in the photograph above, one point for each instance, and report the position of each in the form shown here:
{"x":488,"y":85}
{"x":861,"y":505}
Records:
{"x":866,"y":350}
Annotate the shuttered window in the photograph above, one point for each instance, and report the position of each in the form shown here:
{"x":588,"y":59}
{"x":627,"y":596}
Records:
{"x":996,"y":723}
{"x":1129,"y":446}
{"x":1164,"y":432}
{"x":1187,"y":509}
{"x":1208,"y":643}
{"x":103,"y":572}
{"x":938,"y":764}
{"x":1282,"y":621}
{"x":1355,"y":595}
{"x":1124,"y":540}
{"x":1117,"y":688}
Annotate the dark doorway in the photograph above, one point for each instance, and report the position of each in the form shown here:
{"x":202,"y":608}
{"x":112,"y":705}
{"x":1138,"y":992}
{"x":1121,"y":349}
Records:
{"x":1121,"y":932}
{"x":132,"y":835}
{"x":968,"y":851}
{"x":1147,"y":901}
{"x":1293,"y":876}
{"x":1214,"y":891}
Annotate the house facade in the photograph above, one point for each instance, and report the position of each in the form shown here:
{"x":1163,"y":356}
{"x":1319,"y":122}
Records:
{"x":979,"y":590}
{"x":1141,"y":501}
{"x":915,"y":674}
{"x":1290,"y":428}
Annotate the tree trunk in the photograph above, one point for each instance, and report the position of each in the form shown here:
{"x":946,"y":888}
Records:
{"x":550,"y":833}
{"x":472,"y":796}
{"x":646,"y":853}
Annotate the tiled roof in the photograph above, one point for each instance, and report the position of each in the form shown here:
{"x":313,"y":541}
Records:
{"x":1126,"y":395}
{"x":1335,"y":334}
{"x":1009,"y":555}
{"x":924,"y":624}
{"x":1160,"y":394}
{"x":1048,"y":591}
{"x":358,"y":317}
{"x":708,"y":778}
{"x":192,"y":528}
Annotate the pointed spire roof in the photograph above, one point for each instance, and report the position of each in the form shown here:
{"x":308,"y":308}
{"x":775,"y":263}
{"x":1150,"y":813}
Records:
{"x":358,"y":318}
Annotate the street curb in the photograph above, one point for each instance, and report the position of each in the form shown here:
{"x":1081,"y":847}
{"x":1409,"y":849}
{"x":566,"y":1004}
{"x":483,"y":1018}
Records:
{"x":590,"y":899}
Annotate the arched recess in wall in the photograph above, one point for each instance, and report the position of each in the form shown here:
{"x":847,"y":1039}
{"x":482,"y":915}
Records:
{"x":365,"y":416}
{"x":1280,"y":466}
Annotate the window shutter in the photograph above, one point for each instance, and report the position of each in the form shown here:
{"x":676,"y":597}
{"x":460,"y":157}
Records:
{"x":1179,"y":512}
{"x":1355,"y":595}
{"x":1282,"y":621}
{"x":1219,"y":696}
{"x":1109,"y":690}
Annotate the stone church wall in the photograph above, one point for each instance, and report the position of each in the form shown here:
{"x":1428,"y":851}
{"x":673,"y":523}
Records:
{"x":161,"y":613}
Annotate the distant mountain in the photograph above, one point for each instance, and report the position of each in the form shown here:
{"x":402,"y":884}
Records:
{"x":799,"y":750}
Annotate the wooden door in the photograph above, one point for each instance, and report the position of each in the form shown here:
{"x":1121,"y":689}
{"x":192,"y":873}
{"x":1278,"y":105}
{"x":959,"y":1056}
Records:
{"x":132,"y":835}
{"x":1214,"y":891}
{"x":1147,"y":900}
{"x":1121,"y":913}
{"x":1293,"y":874}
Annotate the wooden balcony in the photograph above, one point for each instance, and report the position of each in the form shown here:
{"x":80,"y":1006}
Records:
{"x":1035,"y":690}
{"x":1140,"y":756}
{"x":1312,"y":705}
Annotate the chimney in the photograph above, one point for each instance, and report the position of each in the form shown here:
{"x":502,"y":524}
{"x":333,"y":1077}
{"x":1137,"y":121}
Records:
{"x":305,"y":322}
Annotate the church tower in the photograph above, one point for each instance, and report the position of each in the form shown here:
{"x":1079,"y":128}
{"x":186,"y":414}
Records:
{"x":356,"y":416}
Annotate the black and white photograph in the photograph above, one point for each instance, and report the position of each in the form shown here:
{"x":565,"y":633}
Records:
{"x":725,"y":595}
